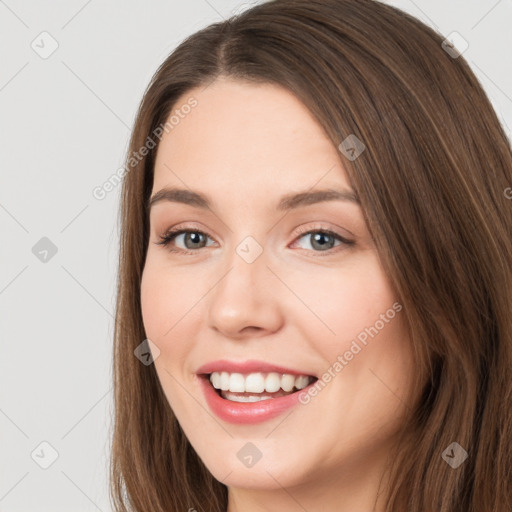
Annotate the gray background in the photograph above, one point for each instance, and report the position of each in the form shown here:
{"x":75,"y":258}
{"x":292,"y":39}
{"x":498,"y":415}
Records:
{"x":65,"y":122}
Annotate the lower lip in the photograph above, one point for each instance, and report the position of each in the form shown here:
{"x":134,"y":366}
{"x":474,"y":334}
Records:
{"x":247,"y":412}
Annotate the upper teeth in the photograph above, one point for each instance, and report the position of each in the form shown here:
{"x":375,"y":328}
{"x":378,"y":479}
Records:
{"x":258,"y":382}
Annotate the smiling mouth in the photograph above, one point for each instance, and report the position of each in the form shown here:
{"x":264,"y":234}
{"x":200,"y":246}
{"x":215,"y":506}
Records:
{"x":258,"y":386}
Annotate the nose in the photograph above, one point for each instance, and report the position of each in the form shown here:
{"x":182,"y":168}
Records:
{"x":245,"y":300}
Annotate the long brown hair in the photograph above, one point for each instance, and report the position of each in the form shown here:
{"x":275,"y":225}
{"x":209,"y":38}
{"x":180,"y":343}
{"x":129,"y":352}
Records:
{"x":432,"y":183}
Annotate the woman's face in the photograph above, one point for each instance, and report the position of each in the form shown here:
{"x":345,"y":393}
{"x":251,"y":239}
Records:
{"x":247,"y":296}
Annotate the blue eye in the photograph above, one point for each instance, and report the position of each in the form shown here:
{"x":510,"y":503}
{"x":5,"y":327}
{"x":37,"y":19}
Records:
{"x":196,"y":238}
{"x":322,"y":240}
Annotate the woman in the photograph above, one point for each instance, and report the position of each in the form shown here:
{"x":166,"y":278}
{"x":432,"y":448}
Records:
{"x":341,"y":336}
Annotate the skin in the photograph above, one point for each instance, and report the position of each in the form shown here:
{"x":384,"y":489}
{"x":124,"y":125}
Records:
{"x":246,"y":145}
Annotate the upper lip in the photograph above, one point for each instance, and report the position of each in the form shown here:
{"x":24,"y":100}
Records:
{"x":251,"y":366}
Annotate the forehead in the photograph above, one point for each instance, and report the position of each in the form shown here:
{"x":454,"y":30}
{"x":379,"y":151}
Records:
{"x":246,"y":136}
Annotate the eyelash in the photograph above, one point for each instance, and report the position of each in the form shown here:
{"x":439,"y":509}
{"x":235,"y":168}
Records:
{"x":170,"y":235}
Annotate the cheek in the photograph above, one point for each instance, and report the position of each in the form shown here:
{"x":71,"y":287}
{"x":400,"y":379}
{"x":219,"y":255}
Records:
{"x":158,"y":309}
{"x":151,"y":302}
{"x":171,"y":313}
{"x":162,"y":308}
{"x":166,"y":296}
{"x":346,"y":301}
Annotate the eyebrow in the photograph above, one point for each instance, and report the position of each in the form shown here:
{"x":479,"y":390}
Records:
{"x":287,"y":202}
